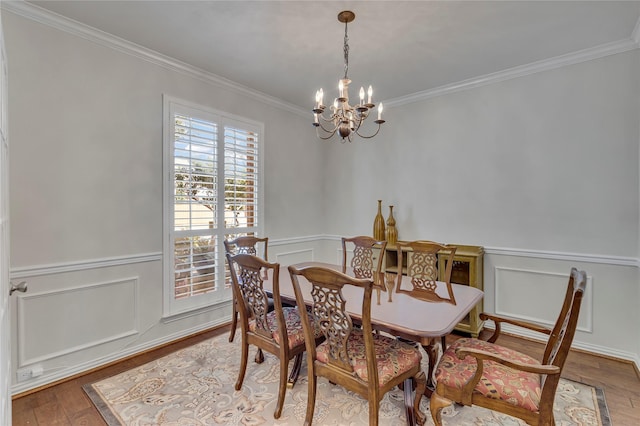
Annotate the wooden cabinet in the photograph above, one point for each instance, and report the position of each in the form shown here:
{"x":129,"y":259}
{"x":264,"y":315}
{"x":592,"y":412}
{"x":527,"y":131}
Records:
{"x":468,"y":269}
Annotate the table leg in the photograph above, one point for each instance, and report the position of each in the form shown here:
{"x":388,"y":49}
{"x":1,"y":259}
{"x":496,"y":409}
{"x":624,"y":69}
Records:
{"x":432,"y":352}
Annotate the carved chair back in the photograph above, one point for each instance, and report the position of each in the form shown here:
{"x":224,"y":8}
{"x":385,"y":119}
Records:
{"x":367,"y":258}
{"x":355,"y":358}
{"x":423,"y":263}
{"x":247,"y":245}
{"x":247,"y":276}
{"x":243,"y":245}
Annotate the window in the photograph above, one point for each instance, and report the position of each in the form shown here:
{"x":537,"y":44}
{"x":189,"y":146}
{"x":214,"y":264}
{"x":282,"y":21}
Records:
{"x":213,"y":191}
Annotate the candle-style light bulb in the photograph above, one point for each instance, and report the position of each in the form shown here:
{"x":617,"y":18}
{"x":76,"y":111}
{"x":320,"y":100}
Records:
{"x":321,"y":94}
{"x":370,"y":92}
{"x":341,"y":88}
{"x":361,"y":95}
{"x":335,"y":104}
{"x":380,"y":111}
{"x":317,"y":98}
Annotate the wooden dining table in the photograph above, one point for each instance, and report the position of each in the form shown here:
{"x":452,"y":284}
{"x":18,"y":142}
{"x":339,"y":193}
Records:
{"x":398,"y":314}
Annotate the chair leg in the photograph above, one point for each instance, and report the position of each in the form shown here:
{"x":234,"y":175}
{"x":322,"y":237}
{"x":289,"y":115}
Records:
{"x":243,"y":363}
{"x":409,"y":410}
{"x":437,"y":403}
{"x":282,"y":386}
{"x":421,"y":385}
{"x":295,"y":371}
{"x":234,"y":319}
{"x":259,"y":359}
{"x":374,"y":407}
{"x":311,"y":398}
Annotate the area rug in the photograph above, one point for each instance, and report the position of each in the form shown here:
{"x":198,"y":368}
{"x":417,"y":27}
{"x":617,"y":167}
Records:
{"x":195,"y":386}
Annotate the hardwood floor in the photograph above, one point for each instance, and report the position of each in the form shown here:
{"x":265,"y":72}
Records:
{"x":67,"y":404}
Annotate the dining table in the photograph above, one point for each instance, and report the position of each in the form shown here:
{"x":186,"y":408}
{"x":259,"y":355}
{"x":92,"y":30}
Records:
{"x":398,"y":314}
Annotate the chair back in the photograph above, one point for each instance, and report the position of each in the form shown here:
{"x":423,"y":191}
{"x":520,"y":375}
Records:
{"x":247,"y":279}
{"x":329,"y":311}
{"x":247,"y":245}
{"x":425,"y":261}
{"x":561,"y":336}
{"x":368,"y":254}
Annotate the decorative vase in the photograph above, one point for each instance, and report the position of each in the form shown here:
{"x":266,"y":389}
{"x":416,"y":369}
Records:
{"x":378,"y":224}
{"x":392,"y":232}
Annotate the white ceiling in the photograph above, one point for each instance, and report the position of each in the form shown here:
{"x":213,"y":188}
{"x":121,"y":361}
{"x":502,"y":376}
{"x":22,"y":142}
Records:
{"x":289,"y":49}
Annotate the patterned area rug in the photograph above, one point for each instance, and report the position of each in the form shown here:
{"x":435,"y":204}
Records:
{"x":195,"y":386}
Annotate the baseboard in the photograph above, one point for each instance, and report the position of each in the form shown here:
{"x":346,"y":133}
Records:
{"x":66,"y":374}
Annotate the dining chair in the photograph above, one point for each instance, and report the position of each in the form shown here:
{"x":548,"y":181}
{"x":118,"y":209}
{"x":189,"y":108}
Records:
{"x":483,"y":373}
{"x":422,"y":269}
{"x":357,"y":359}
{"x":278,"y":332}
{"x":244,"y":245}
{"x":367,"y":258}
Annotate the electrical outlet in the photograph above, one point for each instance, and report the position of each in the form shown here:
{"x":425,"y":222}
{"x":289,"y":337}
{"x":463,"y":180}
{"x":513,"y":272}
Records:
{"x":24,"y":374}
{"x":36,"y":370}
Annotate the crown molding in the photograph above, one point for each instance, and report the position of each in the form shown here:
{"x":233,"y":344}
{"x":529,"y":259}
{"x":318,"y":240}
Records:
{"x":43,"y":16}
{"x":59,"y":22}
{"x":523,"y":70}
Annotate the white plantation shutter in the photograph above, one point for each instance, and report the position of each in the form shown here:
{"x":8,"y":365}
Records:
{"x":195,"y":170}
{"x":240,"y":177}
{"x":212,"y":171}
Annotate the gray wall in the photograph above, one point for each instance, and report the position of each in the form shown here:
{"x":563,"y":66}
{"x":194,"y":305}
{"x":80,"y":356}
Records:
{"x":541,"y":170}
{"x":546,"y":162}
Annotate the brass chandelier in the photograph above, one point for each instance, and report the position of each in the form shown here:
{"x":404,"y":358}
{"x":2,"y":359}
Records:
{"x":344,"y":119}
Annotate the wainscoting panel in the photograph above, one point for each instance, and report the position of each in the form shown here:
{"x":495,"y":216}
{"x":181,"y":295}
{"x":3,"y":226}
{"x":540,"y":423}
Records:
{"x":537,"y":296}
{"x":297,"y":256}
{"x":59,"y":322}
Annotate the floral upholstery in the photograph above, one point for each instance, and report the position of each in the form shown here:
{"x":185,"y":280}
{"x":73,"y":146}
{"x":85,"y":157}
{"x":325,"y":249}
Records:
{"x":293,"y":323}
{"x":392,"y":356}
{"x":498,"y":381}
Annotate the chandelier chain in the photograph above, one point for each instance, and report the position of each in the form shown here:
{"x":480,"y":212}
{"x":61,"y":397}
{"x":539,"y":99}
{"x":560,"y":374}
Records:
{"x":346,"y":51}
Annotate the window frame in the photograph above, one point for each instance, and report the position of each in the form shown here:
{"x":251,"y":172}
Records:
{"x":171,"y":106}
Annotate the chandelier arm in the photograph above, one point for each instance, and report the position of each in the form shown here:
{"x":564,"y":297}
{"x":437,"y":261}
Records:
{"x":326,"y":120}
{"x":359,"y":120}
{"x":330,"y":134}
{"x":367,"y":137}
{"x":327,"y":130}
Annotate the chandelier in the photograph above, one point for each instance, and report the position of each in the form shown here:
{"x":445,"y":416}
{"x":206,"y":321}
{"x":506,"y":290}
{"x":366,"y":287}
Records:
{"x":344,"y":118}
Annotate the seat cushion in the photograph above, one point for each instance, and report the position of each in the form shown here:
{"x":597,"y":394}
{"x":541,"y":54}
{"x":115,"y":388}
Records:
{"x":498,"y":381}
{"x":393,"y":357}
{"x":293,"y":323}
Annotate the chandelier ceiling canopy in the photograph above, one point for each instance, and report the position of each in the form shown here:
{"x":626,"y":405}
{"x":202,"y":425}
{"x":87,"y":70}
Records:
{"x":342,"y":118}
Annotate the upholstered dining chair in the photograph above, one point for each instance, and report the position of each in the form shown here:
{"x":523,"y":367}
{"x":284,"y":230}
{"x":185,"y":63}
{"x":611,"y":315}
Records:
{"x":422,"y":270}
{"x":355,"y":358}
{"x":367,"y":258}
{"x":483,"y":373}
{"x":278,"y":332}
{"x":244,"y":245}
